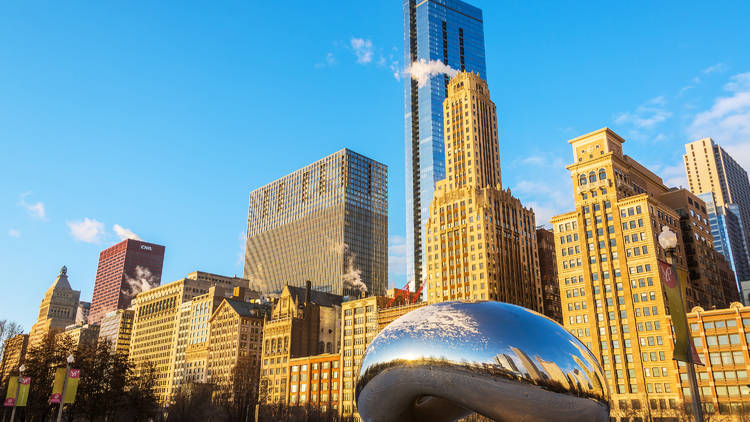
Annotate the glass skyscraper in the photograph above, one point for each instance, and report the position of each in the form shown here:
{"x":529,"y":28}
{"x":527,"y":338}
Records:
{"x":729,"y":235}
{"x":327,"y":223}
{"x":451,"y":32}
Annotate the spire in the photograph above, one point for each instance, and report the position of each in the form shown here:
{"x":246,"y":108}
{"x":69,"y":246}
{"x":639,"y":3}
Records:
{"x":61,"y":282}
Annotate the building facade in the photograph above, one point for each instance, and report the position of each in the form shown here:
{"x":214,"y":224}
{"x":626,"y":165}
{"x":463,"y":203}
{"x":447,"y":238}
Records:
{"x":450,"y":32}
{"x":607,"y":255}
{"x":83,"y":336}
{"x":124,"y":270}
{"x":82,"y":314}
{"x":710,"y":168}
{"x":162,"y":323}
{"x":234,"y":349}
{"x":362,"y":320}
{"x":728,"y":231}
{"x":117,"y":327}
{"x":721,"y":338}
{"x":481,"y":241}
{"x":58,"y":309}
{"x":314,"y":381}
{"x":14,"y":352}
{"x":545,"y":240}
{"x":712,"y":283}
{"x":327,"y":222}
{"x":304,"y":322}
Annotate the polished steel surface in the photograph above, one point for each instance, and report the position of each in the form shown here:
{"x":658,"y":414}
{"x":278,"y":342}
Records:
{"x":448,"y":360}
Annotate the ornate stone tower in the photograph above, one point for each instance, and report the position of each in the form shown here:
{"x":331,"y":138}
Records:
{"x":58,"y":308}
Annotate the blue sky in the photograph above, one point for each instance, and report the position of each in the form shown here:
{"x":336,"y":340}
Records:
{"x":160,"y":117}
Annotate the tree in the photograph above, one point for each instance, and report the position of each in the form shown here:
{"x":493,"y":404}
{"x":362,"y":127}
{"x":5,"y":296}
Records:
{"x":142,"y":402}
{"x":41,"y":362}
{"x":193,"y":404}
{"x":105,"y":375}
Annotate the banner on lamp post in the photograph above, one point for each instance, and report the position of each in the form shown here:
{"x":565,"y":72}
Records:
{"x":23,"y":392}
{"x":675,"y":291}
{"x":72,"y":387}
{"x":57,"y":386}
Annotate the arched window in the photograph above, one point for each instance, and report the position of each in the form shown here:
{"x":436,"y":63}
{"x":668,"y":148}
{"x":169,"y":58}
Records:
{"x":592,"y":176}
{"x":602,"y":174}
{"x":582,"y":180}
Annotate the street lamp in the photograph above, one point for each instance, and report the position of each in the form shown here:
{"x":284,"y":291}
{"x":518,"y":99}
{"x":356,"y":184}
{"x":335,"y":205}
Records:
{"x":18,"y":391}
{"x":668,"y":241}
{"x":69,"y":362}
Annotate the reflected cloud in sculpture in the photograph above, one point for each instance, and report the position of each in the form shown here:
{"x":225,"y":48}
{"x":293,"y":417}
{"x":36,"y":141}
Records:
{"x":448,"y":360}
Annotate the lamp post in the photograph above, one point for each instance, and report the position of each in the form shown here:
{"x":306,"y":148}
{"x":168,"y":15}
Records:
{"x":668,"y":241}
{"x":69,"y":361}
{"x":18,"y":390}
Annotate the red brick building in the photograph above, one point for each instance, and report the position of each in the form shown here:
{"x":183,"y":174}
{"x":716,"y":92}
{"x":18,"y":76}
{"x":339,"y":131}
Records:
{"x":125,"y":269}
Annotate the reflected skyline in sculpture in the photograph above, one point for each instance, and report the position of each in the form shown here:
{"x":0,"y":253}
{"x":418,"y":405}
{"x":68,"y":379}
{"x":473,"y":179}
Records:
{"x":500,"y":360}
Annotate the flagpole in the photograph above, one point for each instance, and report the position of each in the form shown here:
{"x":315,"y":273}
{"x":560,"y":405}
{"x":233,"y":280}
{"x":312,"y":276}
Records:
{"x":668,"y":241}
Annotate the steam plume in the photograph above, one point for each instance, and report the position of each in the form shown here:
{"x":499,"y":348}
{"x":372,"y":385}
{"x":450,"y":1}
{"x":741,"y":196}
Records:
{"x":422,"y":70}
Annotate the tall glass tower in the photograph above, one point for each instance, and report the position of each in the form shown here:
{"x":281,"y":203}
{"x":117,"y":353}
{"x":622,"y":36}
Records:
{"x":451,"y":32}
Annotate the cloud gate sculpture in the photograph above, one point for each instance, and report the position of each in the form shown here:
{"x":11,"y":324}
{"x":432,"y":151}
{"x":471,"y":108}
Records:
{"x":448,"y":360}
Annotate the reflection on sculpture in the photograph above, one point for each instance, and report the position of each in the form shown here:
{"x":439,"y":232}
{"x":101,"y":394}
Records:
{"x":448,"y":360}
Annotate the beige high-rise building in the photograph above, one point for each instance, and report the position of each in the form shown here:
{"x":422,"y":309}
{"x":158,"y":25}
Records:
{"x":158,"y":326}
{"x":117,"y":327}
{"x":362,"y":320}
{"x":481,"y":241}
{"x":304,"y":322}
{"x":234,"y":348}
{"x":58,"y":309}
{"x":607,"y":253}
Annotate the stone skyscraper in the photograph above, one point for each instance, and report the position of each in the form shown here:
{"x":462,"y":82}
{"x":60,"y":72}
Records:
{"x":58,"y":309}
{"x":436,"y":33}
{"x":481,"y":241}
{"x":327,"y":223}
{"x":607,"y":254}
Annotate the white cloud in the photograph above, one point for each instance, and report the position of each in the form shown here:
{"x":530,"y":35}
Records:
{"x":728,"y":120}
{"x":422,"y":70}
{"x":14,"y":233}
{"x":35,"y":209}
{"x":124,"y":233}
{"x":397,"y":255}
{"x":647,"y":115}
{"x":86,"y":230}
{"x":546,"y":185}
{"x":362,"y":49}
{"x":717,"y":68}
{"x":329,"y":61}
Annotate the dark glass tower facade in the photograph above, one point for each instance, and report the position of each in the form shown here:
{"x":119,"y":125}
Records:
{"x":451,"y":32}
{"x":327,"y":223}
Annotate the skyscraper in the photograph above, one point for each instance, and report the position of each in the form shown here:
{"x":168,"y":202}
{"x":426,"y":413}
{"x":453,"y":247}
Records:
{"x":327,"y":223}
{"x":58,"y":309}
{"x":447,"y":32}
{"x":710,"y":168}
{"x":481,"y":241}
{"x":124,"y":270}
{"x":729,"y":235}
{"x":607,"y":253}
